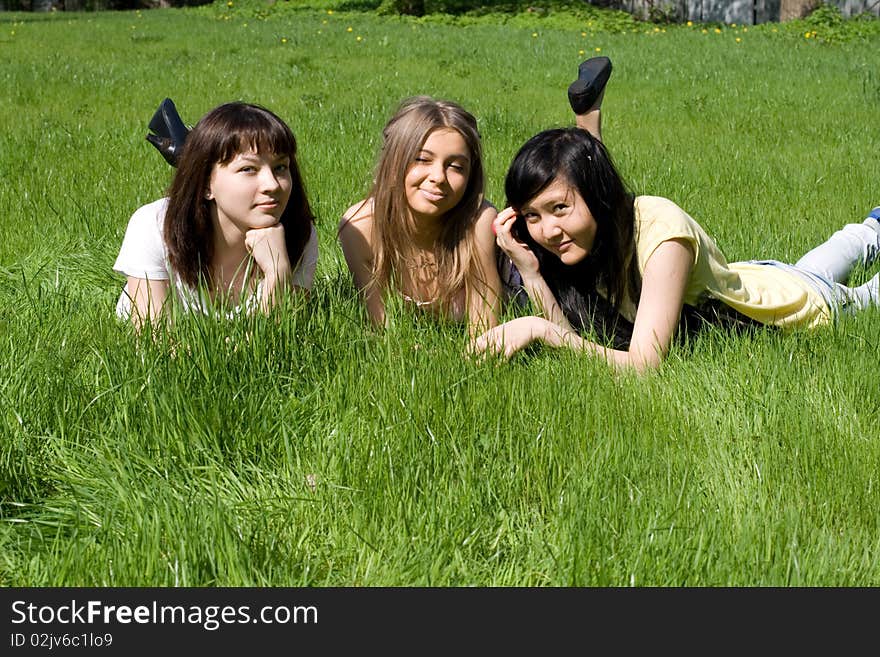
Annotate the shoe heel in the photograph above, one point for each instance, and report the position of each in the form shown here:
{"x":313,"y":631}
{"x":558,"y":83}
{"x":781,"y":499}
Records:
{"x":166,"y":147}
{"x":169,"y":131}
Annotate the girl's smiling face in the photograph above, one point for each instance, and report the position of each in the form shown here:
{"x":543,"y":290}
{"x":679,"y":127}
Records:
{"x":559,"y":220}
{"x":251,"y":190}
{"x":436,"y":181}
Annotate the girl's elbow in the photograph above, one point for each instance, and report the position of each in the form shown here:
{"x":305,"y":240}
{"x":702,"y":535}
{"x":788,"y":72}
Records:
{"x":644,"y":361}
{"x":647,"y":365}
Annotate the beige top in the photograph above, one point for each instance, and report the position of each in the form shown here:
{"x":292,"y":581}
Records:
{"x":768,"y":294}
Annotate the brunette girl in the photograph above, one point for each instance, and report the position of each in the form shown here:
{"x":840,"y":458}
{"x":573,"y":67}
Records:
{"x":235,"y":231}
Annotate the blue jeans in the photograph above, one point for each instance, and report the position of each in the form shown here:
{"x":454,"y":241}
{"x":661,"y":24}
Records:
{"x":828,"y":266}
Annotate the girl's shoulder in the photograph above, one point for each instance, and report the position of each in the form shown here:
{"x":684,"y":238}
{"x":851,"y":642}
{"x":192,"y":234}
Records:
{"x":650,"y":210}
{"x":358,"y":216}
{"x":486,"y":206}
{"x":486,"y":213}
{"x":660,"y":220}
{"x":143,"y":251}
{"x":656,"y":205}
{"x":155,"y":209}
{"x":148,"y":219}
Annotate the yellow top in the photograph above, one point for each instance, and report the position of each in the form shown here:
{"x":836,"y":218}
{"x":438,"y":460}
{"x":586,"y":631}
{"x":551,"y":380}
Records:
{"x":766,"y":293}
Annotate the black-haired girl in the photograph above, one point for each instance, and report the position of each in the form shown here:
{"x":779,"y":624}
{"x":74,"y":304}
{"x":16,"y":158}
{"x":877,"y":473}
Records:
{"x":577,"y":235}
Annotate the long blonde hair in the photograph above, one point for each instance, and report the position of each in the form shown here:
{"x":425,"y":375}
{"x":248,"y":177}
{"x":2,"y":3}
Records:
{"x":403,"y":137}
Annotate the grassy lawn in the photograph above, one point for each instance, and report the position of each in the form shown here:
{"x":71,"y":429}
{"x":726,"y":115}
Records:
{"x":315,"y":452}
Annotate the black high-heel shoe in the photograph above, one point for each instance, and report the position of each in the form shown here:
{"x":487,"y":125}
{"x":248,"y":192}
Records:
{"x":170,"y":132}
{"x":592,"y":76}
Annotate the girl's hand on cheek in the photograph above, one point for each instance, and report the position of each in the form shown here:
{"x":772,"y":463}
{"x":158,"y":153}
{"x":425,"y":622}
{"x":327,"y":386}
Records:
{"x":521,"y":255}
{"x":269,"y":250}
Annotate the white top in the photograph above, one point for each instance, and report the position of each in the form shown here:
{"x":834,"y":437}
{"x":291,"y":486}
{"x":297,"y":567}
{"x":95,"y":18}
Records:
{"x":143,"y":255}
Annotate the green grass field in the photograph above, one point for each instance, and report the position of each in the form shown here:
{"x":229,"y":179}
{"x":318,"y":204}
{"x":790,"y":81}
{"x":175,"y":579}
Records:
{"x":315,"y":452}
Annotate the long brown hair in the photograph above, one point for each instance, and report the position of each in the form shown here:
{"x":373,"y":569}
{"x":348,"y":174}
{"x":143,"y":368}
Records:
{"x":403,"y":137}
{"x":217,"y":138}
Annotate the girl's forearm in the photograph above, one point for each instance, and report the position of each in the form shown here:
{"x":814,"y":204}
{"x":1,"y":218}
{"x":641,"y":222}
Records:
{"x":557,"y":336}
{"x":274,"y":285}
{"x":539,"y":292}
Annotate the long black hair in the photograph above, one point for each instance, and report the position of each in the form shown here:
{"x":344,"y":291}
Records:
{"x":576,"y":156}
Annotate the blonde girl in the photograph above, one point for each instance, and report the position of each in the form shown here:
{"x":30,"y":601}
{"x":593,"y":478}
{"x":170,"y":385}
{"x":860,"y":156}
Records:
{"x":425,"y":230}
